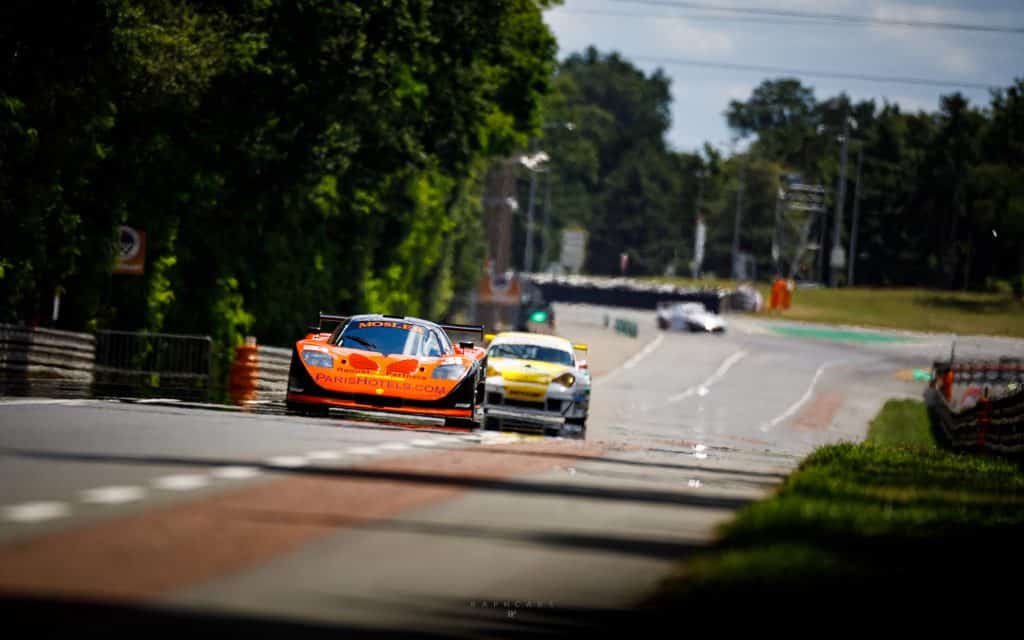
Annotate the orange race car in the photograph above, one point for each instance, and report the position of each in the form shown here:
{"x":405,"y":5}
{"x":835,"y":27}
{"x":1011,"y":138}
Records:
{"x":391,"y":364}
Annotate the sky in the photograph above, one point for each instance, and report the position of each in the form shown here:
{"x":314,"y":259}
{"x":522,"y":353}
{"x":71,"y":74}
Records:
{"x":650,"y":31}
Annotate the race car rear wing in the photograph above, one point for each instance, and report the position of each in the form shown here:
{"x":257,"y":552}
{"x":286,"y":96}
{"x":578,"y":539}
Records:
{"x":476,"y":330}
{"x":329,"y":317}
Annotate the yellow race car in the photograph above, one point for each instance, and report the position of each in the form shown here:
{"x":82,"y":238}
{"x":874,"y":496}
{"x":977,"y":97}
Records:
{"x":536,"y":383}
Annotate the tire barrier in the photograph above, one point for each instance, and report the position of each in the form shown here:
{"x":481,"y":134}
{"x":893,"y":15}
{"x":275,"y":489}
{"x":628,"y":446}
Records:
{"x":258,"y":374}
{"x":46,"y":362}
{"x":622,"y":292}
{"x":142,"y":364}
{"x":272,"y":376}
{"x":979,"y":405}
{"x":626,"y":327}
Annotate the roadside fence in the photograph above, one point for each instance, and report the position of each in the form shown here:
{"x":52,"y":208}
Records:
{"x":142,"y":364}
{"x":979,"y":405}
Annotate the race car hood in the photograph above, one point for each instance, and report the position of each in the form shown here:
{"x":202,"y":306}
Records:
{"x":536,"y":371}
{"x":369,"y":373}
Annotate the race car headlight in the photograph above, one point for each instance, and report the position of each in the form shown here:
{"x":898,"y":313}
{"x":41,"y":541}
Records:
{"x":317,"y":359}
{"x":566,"y":380}
{"x":448,"y":372}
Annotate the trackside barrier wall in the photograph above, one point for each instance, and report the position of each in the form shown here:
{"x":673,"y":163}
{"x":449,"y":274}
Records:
{"x":49,"y":362}
{"x":993,"y":418}
{"x":621,"y":292}
{"x":259,"y":374}
{"x":272,"y":376}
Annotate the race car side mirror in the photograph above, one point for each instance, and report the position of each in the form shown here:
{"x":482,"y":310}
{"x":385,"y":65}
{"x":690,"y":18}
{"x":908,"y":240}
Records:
{"x":466,"y":344}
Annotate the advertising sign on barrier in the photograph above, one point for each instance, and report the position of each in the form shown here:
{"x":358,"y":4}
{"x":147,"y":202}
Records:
{"x":131,"y":251}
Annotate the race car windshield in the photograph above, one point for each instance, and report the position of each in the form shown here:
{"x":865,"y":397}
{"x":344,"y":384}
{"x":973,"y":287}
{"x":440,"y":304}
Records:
{"x":385,"y":337}
{"x":531,"y":352}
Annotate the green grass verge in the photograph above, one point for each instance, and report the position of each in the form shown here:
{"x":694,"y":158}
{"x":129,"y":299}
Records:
{"x":890,"y":517}
{"x":902,"y":423}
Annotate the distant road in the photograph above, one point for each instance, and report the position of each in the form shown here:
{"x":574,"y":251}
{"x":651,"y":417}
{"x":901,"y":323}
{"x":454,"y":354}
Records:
{"x":287,"y":524}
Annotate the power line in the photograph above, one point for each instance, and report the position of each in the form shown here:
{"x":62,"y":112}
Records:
{"x":817,"y":73}
{"x":822,"y":16}
{"x":706,"y":18}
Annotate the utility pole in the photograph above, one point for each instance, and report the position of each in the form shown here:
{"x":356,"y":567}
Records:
{"x":697,"y":240}
{"x":835,"y":260}
{"x":736,"y":228}
{"x":528,"y":253}
{"x":544,"y":258}
{"x":852,"y":257}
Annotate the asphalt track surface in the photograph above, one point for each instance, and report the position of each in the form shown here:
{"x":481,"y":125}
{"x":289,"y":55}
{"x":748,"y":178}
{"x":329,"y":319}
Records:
{"x":124,"y":516}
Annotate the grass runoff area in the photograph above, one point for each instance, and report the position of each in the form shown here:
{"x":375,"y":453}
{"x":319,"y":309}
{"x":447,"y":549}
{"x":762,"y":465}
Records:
{"x":893,"y":520}
{"x":959,"y":312}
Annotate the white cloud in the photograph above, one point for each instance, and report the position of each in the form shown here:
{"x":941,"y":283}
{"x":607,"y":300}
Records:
{"x":681,"y":37}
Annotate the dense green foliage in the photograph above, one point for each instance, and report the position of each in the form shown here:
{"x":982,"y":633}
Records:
{"x":283,"y":157}
{"x":893,"y":521}
{"x":942,"y":194}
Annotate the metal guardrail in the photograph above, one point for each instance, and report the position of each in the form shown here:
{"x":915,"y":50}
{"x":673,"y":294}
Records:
{"x":130,"y":363}
{"x":49,"y":362}
{"x":979,"y":405}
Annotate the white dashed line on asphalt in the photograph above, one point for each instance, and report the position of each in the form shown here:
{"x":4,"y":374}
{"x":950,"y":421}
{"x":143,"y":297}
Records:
{"x":235,"y":473}
{"x":287,"y":462}
{"x":632,"y":362}
{"x":29,"y":512}
{"x":426,"y":442}
{"x":703,"y":388}
{"x":393,"y":446}
{"x":362,"y":451}
{"x":323,"y":455}
{"x":113,"y":495}
{"x":181,"y":482}
{"x":793,"y":408}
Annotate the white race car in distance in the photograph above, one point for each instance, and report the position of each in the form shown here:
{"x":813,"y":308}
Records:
{"x":688,"y":316}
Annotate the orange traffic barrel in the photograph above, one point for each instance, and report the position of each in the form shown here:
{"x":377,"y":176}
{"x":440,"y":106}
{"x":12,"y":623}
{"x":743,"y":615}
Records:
{"x":244,"y":373}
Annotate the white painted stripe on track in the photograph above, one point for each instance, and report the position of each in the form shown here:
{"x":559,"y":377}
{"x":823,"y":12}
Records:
{"x":235,"y":473}
{"x":362,"y":451}
{"x":793,"y":408}
{"x":113,"y":495}
{"x":29,"y":512}
{"x":287,"y":462}
{"x":633,"y":361}
{"x":40,"y":401}
{"x":702,"y":388}
{"x":646,"y":351}
{"x":181,"y":482}
{"x":426,"y":442}
{"x":393,"y":446}
{"x":323,"y":455}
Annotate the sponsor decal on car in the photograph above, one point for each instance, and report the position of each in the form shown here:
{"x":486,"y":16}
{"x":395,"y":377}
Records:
{"x":405,"y":326}
{"x":379,"y":382}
